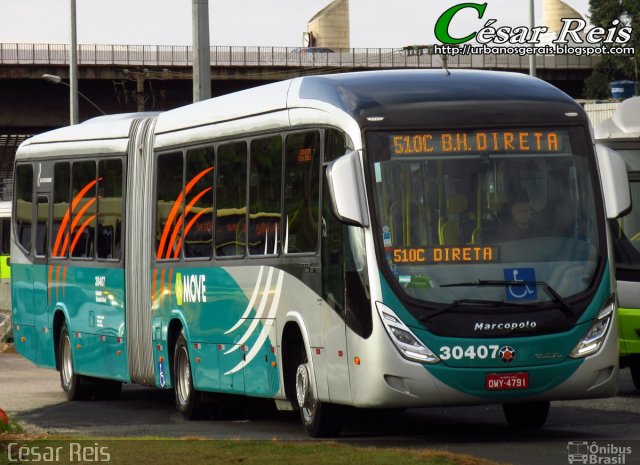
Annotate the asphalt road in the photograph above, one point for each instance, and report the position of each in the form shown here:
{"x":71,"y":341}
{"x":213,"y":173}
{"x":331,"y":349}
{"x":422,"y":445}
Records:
{"x":33,"y":396}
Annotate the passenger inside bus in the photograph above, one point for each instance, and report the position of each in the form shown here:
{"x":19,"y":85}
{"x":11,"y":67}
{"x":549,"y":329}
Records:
{"x":518,"y":223}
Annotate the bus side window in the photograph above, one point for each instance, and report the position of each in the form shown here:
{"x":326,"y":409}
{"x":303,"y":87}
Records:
{"x":198,"y":222}
{"x":336,"y":144}
{"x":231,"y":199}
{"x":345,"y":285}
{"x":302,"y":190}
{"x":42,"y":225}
{"x":169,"y":203}
{"x":61,"y":210}
{"x":83,"y":224}
{"x":265,"y":193}
{"x":24,"y":205}
{"x":332,"y":258}
{"x":109,"y":237}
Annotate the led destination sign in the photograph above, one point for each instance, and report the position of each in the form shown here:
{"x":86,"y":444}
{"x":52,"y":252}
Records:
{"x":446,"y":254}
{"x":525,"y":141}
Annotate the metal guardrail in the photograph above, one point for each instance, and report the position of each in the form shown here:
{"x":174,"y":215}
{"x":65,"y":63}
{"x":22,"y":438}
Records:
{"x":172,"y":55}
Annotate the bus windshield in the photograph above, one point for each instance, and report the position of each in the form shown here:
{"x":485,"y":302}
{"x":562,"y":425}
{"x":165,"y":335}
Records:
{"x":459,"y":208}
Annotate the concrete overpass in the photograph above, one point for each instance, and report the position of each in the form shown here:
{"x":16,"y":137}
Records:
{"x":127,"y":78}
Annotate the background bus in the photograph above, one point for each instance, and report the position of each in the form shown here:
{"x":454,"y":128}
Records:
{"x":326,"y":241}
{"x":621,"y":132}
{"x":5,"y":250}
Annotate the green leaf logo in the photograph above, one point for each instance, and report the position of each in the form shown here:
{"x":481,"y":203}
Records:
{"x":178,"y":288}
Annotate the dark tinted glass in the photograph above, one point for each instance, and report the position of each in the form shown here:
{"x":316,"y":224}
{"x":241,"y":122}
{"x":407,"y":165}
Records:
{"x":231,"y":199}
{"x":265,"y":193}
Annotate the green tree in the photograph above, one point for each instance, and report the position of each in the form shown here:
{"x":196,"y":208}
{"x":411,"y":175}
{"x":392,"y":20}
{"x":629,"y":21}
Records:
{"x":614,"y":67}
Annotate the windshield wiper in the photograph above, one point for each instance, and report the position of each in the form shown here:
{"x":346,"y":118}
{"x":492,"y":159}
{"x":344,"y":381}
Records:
{"x":564,"y":307}
{"x":477,"y":302}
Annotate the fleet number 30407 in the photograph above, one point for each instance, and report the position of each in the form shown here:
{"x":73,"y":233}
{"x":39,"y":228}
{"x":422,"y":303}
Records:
{"x":472,"y":352}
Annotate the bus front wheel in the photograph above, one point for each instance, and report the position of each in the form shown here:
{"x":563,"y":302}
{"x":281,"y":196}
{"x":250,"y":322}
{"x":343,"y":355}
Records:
{"x":76,"y":387}
{"x":530,"y":415}
{"x":320,"y":419}
{"x":188,"y":399}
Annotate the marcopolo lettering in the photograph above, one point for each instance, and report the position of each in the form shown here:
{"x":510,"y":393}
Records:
{"x":513,"y":325}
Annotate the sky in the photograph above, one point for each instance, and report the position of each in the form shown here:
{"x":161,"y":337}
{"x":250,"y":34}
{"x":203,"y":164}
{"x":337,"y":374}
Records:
{"x":373,"y":23}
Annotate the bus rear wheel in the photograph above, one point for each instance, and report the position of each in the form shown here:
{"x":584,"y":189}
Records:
{"x":320,"y":419}
{"x":529,"y":415}
{"x":76,"y":387}
{"x":188,"y":399}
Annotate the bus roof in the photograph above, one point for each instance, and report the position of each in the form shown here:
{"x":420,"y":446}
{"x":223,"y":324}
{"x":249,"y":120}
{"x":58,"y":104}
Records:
{"x":107,"y":134}
{"x":623,"y":124}
{"x":404,"y":96}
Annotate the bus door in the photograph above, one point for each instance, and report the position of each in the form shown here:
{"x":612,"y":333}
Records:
{"x":43,"y":327}
{"x":333,"y":293}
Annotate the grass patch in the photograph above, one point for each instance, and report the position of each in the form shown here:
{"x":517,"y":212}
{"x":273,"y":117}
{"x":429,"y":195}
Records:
{"x":188,"y":451}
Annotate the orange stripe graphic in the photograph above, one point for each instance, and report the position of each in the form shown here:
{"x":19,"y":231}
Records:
{"x":62,"y":231}
{"x":174,"y":210}
{"x":81,"y":213}
{"x":154,"y":284}
{"x":174,"y":236}
{"x":80,"y":231}
{"x":49,"y":282}
{"x":64,"y":281}
{"x":57,"y":280}
{"x":175,"y":244}
{"x":190,"y":225}
{"x":176,"y":229}
{"x":170,"y":279}
{"x":162,"y":285}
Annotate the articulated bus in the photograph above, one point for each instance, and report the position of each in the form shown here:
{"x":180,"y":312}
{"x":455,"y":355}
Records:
{"x":621,"y":133}
{"x":5,"y":250}
{"x":326,"y":242}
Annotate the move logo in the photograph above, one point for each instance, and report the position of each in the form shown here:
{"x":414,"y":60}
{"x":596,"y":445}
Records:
{"x":190,"y":288}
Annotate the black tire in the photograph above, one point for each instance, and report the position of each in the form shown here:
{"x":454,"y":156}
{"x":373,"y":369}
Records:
{"x":319,"y":419}
{"x":635,"y":373}
{"x":529,"y":415}
{"x":76,"y":387}
{"x":188,"y":399}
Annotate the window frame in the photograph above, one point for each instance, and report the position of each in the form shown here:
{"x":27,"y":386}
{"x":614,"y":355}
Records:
{"x":247,"y":139}
{"x":14,"y":207}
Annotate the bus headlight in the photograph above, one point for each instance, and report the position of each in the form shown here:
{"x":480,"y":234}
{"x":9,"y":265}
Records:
{"x":405,"y":341}
{"x":594,"y":338}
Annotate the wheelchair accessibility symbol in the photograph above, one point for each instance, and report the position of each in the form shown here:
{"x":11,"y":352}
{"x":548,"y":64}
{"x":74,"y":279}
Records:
{"x":528,"y":289}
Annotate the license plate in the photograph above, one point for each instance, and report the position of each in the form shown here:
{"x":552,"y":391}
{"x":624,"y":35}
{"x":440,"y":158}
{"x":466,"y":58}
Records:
{"x":506,"y":381}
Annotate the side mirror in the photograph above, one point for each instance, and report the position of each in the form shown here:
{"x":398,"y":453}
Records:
{"x":615,"y":182}
{"x":346,"y":187}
